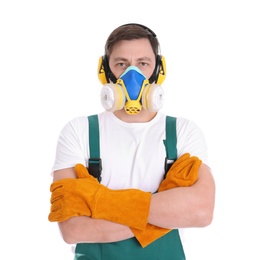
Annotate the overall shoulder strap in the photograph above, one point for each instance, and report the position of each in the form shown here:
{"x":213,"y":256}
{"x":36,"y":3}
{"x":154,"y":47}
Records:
{"x":170,"y":142}
{"x":94,"y":163}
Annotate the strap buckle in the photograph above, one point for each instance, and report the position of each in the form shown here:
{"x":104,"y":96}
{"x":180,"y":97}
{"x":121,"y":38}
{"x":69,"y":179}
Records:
{"x":95,"y":167}
{"x":167,"y":165}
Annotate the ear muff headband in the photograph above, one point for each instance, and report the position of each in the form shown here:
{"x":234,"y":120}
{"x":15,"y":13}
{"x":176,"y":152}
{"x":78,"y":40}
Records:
{"x":141,"y":25}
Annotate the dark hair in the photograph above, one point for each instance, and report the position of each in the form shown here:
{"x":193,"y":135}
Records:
{"x":131,"y":31}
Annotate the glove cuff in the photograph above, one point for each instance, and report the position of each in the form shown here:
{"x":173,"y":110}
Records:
{"x":128,"y":207}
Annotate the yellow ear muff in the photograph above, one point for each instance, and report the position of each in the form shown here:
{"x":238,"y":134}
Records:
{"x":101,"y":72}
{"x":162,"y":71}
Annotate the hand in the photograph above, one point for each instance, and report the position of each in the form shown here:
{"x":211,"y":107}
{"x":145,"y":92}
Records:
{"x":66,"y":200}
{"x":86,"y":196}
{"x":183,"y":173}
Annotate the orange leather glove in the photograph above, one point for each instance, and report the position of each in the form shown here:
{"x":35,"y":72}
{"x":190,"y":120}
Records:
{"x":183,"y":173}
{"x":128,"y":207}
{"x":65,"y":199}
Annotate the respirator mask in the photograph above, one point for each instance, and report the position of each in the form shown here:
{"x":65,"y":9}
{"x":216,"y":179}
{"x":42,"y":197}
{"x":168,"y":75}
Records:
{"x":132,"y":91}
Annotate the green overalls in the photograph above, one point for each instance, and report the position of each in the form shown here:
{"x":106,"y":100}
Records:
{"x":168,"y":247}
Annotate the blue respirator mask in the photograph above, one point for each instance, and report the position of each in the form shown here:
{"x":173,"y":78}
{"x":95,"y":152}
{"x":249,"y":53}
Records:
{"x":132,"y":91}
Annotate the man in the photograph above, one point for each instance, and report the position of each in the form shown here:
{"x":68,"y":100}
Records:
{"x":131,"y":212}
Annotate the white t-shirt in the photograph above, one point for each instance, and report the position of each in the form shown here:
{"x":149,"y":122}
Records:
{"x":132,"y":154}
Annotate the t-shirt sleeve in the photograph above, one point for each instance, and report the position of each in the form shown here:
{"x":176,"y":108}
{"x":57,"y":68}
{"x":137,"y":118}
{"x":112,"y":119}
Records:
{"x":72,"y":145}
{"x":190,"y":139}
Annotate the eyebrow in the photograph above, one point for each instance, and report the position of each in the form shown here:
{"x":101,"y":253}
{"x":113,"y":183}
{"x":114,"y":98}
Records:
{"x":120,"y":59}
{"x":144,"y":59}
{"x":139,"y":59}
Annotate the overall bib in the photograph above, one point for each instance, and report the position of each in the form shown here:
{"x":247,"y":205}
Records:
{"x":168,"y":247}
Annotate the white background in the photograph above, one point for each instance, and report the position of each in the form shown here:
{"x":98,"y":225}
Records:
{"x":49,"y":52}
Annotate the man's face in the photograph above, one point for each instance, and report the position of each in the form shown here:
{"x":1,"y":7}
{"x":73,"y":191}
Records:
{"x":137,"y":53}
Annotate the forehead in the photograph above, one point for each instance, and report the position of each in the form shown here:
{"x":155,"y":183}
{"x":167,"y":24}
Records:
{"x":135,"y":47}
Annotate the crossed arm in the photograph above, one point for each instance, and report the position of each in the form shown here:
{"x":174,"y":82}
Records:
{"x":180,"y":207}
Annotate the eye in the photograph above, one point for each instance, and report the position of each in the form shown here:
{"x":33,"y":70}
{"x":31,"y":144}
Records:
{"x":121,"y":65}
{"x":143,"y":64}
